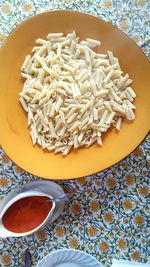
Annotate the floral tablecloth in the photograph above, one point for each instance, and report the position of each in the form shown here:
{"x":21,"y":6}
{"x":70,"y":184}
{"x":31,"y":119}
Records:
{"x":108,"y":216}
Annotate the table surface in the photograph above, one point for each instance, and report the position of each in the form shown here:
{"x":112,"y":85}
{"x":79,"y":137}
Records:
{"x":114,"y":221}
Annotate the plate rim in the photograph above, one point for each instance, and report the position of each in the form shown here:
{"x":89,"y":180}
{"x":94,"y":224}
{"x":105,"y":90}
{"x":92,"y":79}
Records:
{"x":71,"y":11}
{"x":69,"y":250}
{"x":124,"y":34}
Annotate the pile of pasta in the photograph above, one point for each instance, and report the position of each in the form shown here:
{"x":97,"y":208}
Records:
{"x":73,"y":94}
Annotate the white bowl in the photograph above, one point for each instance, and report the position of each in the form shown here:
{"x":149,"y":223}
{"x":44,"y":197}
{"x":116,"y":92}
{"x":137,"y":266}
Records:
{"x":68,"y":258}
{"x":4,"y":232}
{"x":46,"y":188}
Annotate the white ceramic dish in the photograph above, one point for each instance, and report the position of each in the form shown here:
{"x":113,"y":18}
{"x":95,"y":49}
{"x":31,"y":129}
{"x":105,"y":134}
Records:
{"x":33,"y":188}
{"x":68,"y":258}
{"x":6,"y":233}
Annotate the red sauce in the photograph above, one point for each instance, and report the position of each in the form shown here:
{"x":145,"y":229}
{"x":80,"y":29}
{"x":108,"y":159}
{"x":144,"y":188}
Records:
{"x":26,"y":214}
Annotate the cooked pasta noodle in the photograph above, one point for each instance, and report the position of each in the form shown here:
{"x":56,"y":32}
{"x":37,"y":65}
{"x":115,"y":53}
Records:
{"x":73,"y":94}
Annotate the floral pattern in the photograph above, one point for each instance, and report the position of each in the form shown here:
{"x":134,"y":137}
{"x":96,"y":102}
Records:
{"x":107,"y":214}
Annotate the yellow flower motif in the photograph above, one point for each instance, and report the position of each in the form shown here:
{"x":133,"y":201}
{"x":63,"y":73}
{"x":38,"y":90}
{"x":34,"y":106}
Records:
{"x":81,"y":228}
{"x":92,"y":231}
{"x":98,"y":183}
{"x":123,"y":25}
{"x":145,"y":173}
{"x":107,"y":4}
{"x":148,"y":163}
{"x":122,"y":164}
{"x":108,"y":217}
{"x":59,"y":231}
{"x":136,"y":256}
{"x":6,"y":259}
{"x":82,"y":219}
{"x":4,"y":241}
{"x":73,"y":242}
{"x":129,"y":179}
{"x":144,"y":191}
{"x":111,"y":182}
{"x":141,"y":3}
{"x":3,"y":182}
{"x":68,"y":190}
{"x":18,"y":170}
{"x":32,"y":248}
{"x":129,"y":235}
{"x":41,"y":234}
{"x":122,"y":243}
{"x":101,"y":228}
{"x":101,"y":196}
{"x":88,"y":191}
{"x":143,"y":241}
{"x":76,"y":208}
{"x":94,"y":205}
{"x":138,"y":152}
{"x":27,"y":7}
{"x":118,"y":193}
{"x":22,"y":256}
{"x":67,"y":222}
{"x":6,"y":9}
{"x":138,"y":219}
{"x":116,"y":202}
{"x":103,"y":246}
{"x":5,"y":158}
{"x":116,"y":229}
{"x":126,"y":221}
{"x":81,"y":181}
{"x":91,"y":247}
{"x":128,"y":205}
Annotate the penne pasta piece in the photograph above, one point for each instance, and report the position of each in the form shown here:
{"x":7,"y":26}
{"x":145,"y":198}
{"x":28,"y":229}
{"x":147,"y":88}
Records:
{"x":99,"y":140}
{"x":54,"y":35}
{"x":115,"y":96}
{"x":23,"y":103}
{"x":118,"y":123}
{"x":108,"y":77}
{"x":58,"y":103}
{"x":93,"y":41}
{"x":90,"y":142}
{"x":70,"y":113}
{"x":66,"y":151}
{"x":41,"y":41}
{"x":62,"y":116}
{"x":75,"y":141}
{"x":95,"y":114}
{"x":111,"y":57}
{"x":131,"y":92}
{"x":25,"y":64}
{"x":110,"y":118}
{"x":72,"y":117}
{"x":123,"y":81}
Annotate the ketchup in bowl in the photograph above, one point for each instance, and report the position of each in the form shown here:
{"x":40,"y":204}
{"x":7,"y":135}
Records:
{"x":27,"y":213}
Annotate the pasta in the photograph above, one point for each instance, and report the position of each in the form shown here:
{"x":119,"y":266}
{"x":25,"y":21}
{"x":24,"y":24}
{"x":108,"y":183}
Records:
{"x":73,"y":94}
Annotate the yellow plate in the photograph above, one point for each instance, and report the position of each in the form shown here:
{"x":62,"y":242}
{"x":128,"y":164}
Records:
{"x":14,"y":134}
